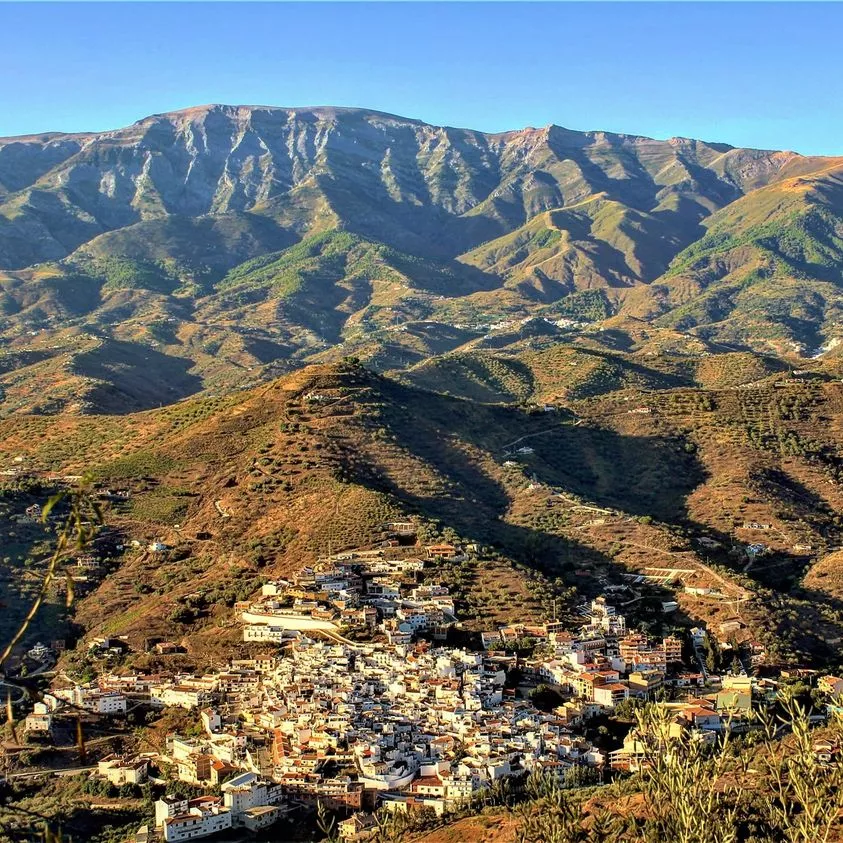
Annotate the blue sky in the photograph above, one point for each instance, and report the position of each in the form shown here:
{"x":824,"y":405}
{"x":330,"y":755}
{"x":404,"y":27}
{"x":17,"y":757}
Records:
{"x":752,"y":74}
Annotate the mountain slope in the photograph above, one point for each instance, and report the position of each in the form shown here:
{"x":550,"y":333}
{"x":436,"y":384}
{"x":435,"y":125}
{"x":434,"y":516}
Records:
{"x":769,"y":269}
{"x":399,"y":180}
{"x":596,"y":243}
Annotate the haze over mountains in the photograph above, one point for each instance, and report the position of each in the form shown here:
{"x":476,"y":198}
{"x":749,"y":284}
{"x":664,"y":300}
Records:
{"x":216,"y":246}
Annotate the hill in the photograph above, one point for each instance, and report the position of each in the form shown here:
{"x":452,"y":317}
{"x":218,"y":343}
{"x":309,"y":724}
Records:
{"x":260,"y":483}
{"x":587,"y":352}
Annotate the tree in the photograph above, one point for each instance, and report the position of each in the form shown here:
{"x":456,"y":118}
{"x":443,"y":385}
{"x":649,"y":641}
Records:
{"x":546,"y":697}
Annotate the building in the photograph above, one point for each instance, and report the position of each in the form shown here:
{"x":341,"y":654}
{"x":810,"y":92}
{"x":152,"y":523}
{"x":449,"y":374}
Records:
{"x":248,"y":790}
{"x":441,"y":551}
{"x":169,"y":806}
{"x":631,"y":756}
{"x":204,"y":816}
{"x":194,"y":768}
{"x":611,"y":694}
{"x":120,"y":770}
{"x":40,"y":721}
{"x":39,"y":653}
{"x":267,"y":633}
{"x":359,"y":826}
{"x":254,"y":819}
{"x":672,"y":647}
{"x":99,"y":702}
{"x":645,"y":683}
{"x":181,"y":696}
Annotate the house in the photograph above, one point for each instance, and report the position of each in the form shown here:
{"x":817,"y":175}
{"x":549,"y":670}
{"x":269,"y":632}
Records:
{"x":183,"y":697}
{"x":611,"y":694}
{"x":248,"y":791}
{"x":573,"y":713}
{"x":429,"y":786}
{"x":108,"y":646}
{"x":120,"y":770}
{"x":734,"y":701}
{"x":645,"y":683}
{"x":108,"y":702}
{"x":698,"y":636}
{"x":39,"y":652}
{"x":40,"y":721}
{"x":672,"y":647}
{"x":204,"y":816}
{"x":267,"y":633}
{"x":211,"y":720}
{"x":222,"y":771}
{"x":254,"y":819}
{"x":169,"y":806}
{"x":402,"y":528}
{"x":194,"y":768}
{"x":441,"y":551}
{"x":359,"y":826}
{"x":702,"y":718}
{"x":631,"y":756}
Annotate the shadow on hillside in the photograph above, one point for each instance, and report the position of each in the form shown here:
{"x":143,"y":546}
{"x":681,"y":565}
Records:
{"x":135,"y":377}
{"x":480,"y":520}
{"x":643,"y":476}
{"x":467,"y":377}
{"x":661,"y":379}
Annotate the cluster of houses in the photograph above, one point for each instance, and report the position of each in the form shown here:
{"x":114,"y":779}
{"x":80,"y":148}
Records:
{"x":604,"y":663}
{"x":396,"y":719}
{"x":367,"y":590}
{"x":411,"y":724}
{"x":363,"y":724}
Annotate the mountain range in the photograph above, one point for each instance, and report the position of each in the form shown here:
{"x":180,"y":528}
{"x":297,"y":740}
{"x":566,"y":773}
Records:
{"x":602,"y":364}
{"x":217,"y":247}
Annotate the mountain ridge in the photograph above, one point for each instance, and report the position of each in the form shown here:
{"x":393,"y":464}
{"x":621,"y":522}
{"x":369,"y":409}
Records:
{"x":339,"y":109}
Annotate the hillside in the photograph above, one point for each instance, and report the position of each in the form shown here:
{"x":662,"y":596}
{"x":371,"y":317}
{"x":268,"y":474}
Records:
{"x":225,"y":245}
{"x":259,"y":484}
{"x":397,"y":179}
{"x":595,"y":243}
{"x":767,"y":272}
